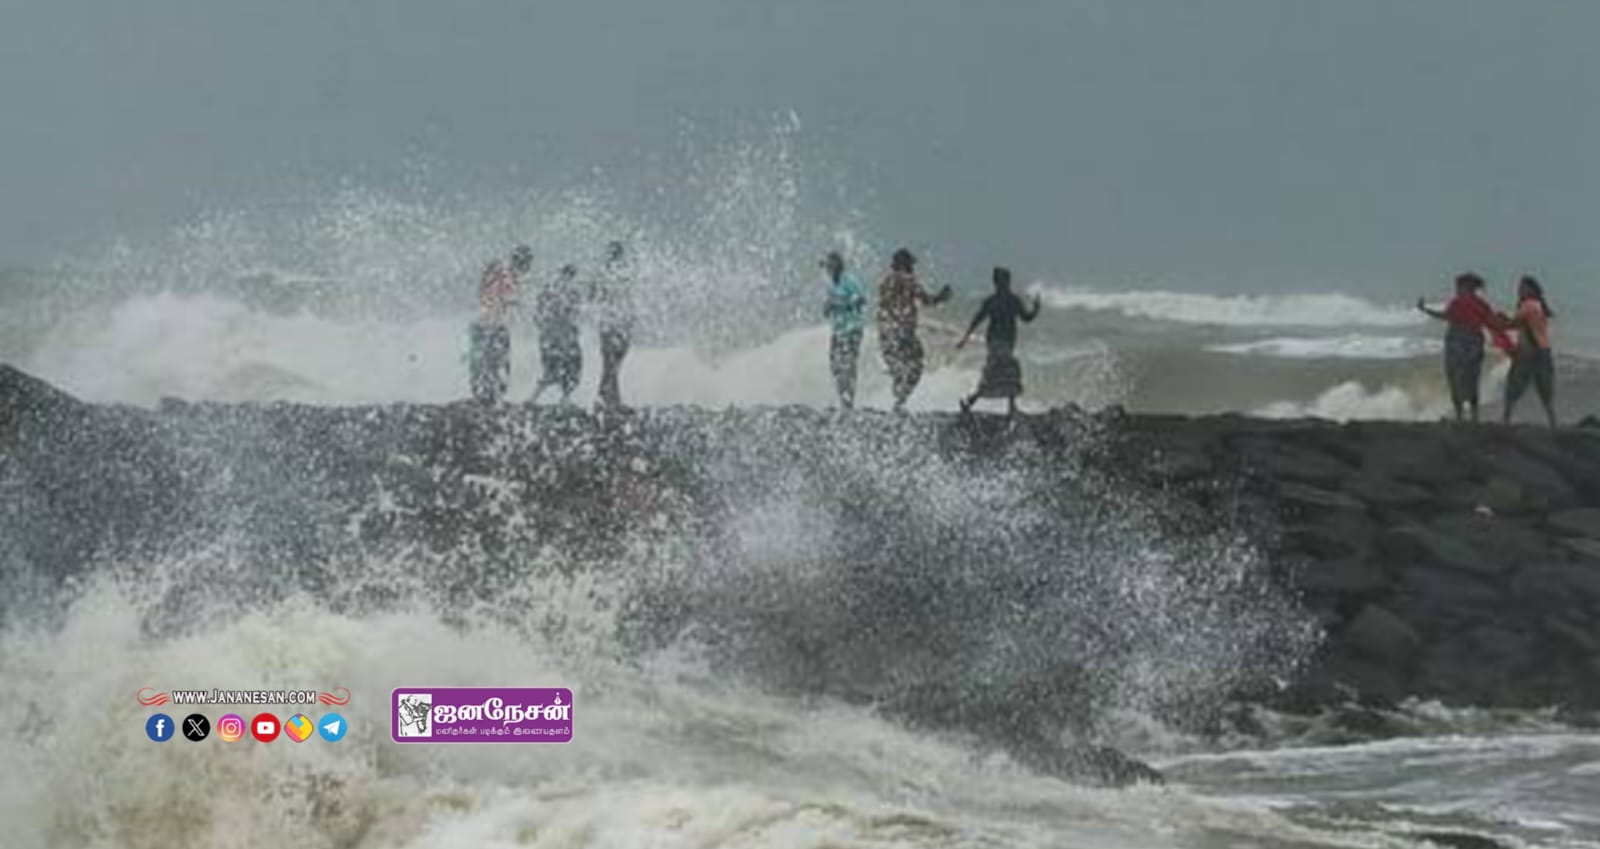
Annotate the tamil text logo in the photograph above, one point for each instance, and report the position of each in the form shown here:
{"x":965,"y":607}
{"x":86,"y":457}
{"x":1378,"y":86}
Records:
{"x":482,"y":715}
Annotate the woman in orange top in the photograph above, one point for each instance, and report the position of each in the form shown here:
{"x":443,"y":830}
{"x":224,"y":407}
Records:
{"x":1533,"y":362}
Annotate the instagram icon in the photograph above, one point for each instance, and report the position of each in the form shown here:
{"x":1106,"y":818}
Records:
{"x":230,"y":728}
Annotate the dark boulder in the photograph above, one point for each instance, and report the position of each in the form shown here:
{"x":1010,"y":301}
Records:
{"x":1586,"y":549}
{"x":1286,"y":461}
{"x":1524,"y":484}
{"x":1302,"y":498}
{"x":1348,"y":576}
{"x":1582,"y":522}
{"x":1583,"y":638}
{"x":1461,"y":840}
{"x":1334,"y":536}
{"x":1581,"y":578}
{"x":1430,"y":462}
{"x":1385,"y":492}
{"x":1378,"y":634}
{"x":1508,"y":544}
{"x":1414,"y":545}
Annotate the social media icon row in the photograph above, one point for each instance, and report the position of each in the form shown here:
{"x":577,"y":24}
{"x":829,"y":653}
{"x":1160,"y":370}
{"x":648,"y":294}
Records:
{"x":265,"y":727}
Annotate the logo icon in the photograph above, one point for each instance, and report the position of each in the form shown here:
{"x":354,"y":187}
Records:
{"x":230,"y":727}
{"x":159,"y":728}
{"x":264,"y":727}
{"x":482,"y":715}
{"x":332,"y":727}
{"x":298,"y":728}
{"x":196,"y":727}
{"x":338,"y":698}
{"x":150,"y":698}
{"x":412,"y":713}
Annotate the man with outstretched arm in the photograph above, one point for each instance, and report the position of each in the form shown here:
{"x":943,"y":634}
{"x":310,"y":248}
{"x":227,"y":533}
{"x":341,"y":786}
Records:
{"x":1002,"y":373}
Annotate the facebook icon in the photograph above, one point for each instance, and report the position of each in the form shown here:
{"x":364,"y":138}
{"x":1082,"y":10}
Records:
{"x":159,"y":728}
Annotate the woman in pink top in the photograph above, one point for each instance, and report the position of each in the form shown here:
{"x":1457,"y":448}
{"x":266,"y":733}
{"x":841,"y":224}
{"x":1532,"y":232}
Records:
{"x":1533,"y":362}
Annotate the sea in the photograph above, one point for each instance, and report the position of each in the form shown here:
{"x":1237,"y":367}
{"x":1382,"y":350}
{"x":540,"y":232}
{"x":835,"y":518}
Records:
{"x":362,"y":298}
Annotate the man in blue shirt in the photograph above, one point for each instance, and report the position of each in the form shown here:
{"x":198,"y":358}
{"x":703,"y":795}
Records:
{"x":846,"y":309}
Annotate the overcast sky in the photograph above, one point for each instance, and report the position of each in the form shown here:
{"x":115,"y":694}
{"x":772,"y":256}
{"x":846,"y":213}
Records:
{"x":1185,"y":139}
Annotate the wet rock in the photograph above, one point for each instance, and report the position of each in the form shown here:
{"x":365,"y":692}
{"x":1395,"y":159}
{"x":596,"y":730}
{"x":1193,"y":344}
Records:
{"x":1582,"y":522}
{"x":1534,"y":484}
{"x":1429,"y":462}
{"x":1387,"y":492}
{"x":1580,"y":577}
{"x":1507,"y":543}
{"x":1586,"y":549}
{"x":1461,"y":840}
{"x":1309,"y":498}
{"x":1583,"y":638}
{"x":1484,"y":665}
{"x":1368,"y":681}
{"x":1348,"y":576}
{"x":1340,"y":535}
{"x":1094,"y":765}
{"x":1414,"y":545}
{"x":1179,"y":465}
{"x":1379,"y":634}
{"x":1284,"y":461}
{"x":1439,"y":600}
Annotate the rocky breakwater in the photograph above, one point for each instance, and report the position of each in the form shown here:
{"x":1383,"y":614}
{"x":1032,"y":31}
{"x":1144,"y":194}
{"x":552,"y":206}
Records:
{"x":1444,"y":561}
{"x":1009,"y":579}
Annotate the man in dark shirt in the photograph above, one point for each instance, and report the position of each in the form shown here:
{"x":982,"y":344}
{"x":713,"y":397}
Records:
{"x":1002,"y":374}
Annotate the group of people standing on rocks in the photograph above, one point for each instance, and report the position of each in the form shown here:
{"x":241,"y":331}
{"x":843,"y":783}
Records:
{"x":1470,"y":318}
{"x":556,"y":308}
{"x":900,"y":296}
{"x":559,"y":301}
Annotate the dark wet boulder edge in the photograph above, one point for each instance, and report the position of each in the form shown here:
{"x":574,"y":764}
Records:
{"x":1446,"y":561}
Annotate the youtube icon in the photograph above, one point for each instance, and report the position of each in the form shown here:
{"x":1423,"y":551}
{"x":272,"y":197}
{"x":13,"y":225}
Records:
{"x":265,"y":727}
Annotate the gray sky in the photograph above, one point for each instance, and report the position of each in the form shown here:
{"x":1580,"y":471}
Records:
{"x":1218,"y":141}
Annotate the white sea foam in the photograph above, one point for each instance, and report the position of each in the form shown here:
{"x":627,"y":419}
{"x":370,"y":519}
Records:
{"x":1353,"y":400}
{"x":664,"y":755}
{"x":1353,"y":346}
{"x":1330,"y":310}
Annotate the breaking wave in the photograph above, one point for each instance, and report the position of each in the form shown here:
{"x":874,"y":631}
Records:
{"x":1331,"y":310}
{"x":1355,"y":346}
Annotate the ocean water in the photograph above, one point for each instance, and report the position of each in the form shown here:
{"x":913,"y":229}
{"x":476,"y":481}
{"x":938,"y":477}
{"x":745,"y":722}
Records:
{"x":363,"y":299}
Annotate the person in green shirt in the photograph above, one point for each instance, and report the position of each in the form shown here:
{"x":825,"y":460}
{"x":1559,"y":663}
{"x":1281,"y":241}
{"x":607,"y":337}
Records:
{"x":845,"y":309}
